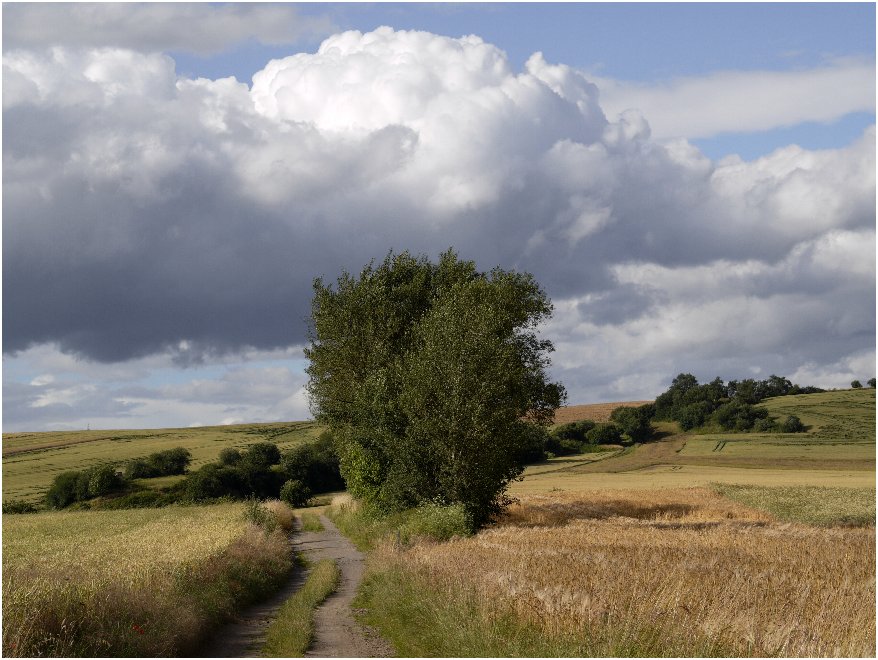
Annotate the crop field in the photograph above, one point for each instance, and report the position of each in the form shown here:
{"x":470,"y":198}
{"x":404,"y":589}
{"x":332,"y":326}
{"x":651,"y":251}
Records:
{"x":837,"y":450}
{"x":673,"y":572}
{"x":597,"y":412}
{"x":135,"y":582}
{"x":32,"y":460}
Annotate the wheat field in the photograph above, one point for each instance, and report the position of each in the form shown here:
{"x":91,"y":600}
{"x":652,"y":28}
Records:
{"x":142,"y":582}
{"x":670,"y":572}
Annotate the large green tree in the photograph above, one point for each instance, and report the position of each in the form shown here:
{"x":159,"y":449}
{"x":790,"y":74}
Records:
{"x":431,"y":377}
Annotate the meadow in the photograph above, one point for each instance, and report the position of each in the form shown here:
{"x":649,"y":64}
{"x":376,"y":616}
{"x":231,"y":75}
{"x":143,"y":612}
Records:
{"x":141,"y":582}
{"x":32,"y":460}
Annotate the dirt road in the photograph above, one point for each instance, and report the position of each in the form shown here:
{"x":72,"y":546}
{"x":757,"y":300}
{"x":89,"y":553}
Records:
{"x":337,"y":633}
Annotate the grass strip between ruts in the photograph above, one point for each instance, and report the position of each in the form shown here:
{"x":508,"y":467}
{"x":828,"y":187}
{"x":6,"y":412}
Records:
{"x":292,"y":632}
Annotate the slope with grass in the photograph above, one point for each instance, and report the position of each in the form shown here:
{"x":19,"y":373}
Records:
{"x":32,"y":460}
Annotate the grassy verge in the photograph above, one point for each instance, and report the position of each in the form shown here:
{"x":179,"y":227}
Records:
{"x":422,"y":619}
{"x":290,"y":635}
{"x":310,"y":522}
{"x":145,"y":582}
{"x":811,"y":505}
{"x":367,"y":526}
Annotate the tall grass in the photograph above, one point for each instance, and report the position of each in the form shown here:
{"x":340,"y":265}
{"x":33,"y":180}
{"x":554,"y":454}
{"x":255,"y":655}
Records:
{"x":669,"y":573}
{"x":131,"y":583}
{"x":366,"y":525}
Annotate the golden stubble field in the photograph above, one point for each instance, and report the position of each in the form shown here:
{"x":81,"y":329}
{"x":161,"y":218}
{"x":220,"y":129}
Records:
{"x":668,"y":572}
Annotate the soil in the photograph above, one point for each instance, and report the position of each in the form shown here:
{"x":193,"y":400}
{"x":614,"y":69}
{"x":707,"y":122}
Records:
{"x":336,"y":633}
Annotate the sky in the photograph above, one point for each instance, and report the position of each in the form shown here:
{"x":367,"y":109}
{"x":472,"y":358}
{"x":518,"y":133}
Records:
{"x":692,"y":184}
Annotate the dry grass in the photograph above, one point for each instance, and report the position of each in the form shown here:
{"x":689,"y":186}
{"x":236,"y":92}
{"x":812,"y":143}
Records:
{"x":674,"y":572}
{"x":139,"y":582}
{"x":597,"y":412}
{"x":283,"y":513}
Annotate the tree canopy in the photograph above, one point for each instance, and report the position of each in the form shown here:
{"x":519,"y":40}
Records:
{"x":431,"y":377}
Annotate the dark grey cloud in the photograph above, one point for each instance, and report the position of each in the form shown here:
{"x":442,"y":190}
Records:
{"x":149,"y":215}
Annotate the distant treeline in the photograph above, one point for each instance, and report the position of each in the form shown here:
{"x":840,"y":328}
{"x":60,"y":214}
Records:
{"x":715,"y":406}
{"x":259,"y":471}
{"x":727,"y":406}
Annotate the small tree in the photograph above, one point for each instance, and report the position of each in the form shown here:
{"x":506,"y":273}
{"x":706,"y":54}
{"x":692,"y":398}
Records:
{"x":856,"y":384}
{"x":871,"y":382}
{"x":295,"y":493}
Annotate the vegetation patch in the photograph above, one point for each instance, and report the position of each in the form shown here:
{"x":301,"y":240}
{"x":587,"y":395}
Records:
{"x":807,"y":504}
{"x":367,"y":525}
{"x":310,"y":522}
{"x":292,"y":632}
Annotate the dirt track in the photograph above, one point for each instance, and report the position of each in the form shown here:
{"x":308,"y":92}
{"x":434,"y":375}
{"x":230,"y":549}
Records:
{"x":337,"y":634}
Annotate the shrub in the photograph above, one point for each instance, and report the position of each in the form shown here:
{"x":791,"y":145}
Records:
{"x":262,"y":454}
{"x":139,"y":468}
{"x":19,"y":506}
{"x":604,"y":434}
{"x":229,"y":456}
{"x":103,"y":480}
{"x":765,"y":425}
{"x":435,"y":521}
{"x":63,"y":490}
{"x":171,"y":461}
{"x":315,"y":464}
{"x":260,"y":515}
{"x":204,"y":484}
{"x":693,"y":415}
{"x":792,"y":424}
{"x":295,"y":493}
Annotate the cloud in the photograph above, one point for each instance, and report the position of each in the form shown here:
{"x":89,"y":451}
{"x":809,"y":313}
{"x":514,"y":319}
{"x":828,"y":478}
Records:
{"x":744,"y":101}
{"x":192,"y":27}
{"x":253,"y":386}
{"x":150,"y":215}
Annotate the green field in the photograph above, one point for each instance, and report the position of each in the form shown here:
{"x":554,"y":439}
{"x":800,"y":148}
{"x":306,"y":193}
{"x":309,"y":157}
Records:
{"x":32,"y":460}
{"x":837,"y":450}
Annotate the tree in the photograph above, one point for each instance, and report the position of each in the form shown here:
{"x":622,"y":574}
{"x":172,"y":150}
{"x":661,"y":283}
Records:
{"x":429,"y":376}
{"x":634,"y":421}
{"x":604,"y":434}
{"x":856,"y":384}
{"x":871,"y":382}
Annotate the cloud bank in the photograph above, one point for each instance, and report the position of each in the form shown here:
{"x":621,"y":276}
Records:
{"x":147,"y":214}
{"x":743,"y":101}
{"x":190,"y":27}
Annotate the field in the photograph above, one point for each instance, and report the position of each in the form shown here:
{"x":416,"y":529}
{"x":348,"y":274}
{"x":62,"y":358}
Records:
{"x":598,"y":412}
{"x":683,"y":572}
{"x":137,"y":582}
{"x":32,"y":460}
{"x":837,"y":450}
{"x":719,"y":545}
